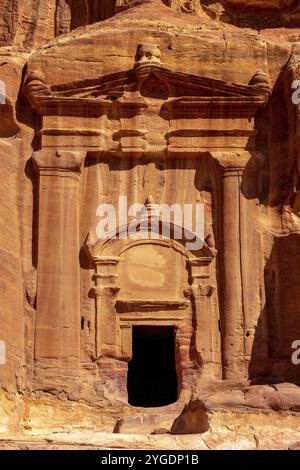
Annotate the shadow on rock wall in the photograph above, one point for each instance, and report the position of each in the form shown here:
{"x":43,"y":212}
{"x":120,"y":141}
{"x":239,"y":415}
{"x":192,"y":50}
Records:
{"x":279,"y":324}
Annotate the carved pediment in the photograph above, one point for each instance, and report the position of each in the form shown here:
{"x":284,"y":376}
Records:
{"x":126,"y":90}
{"x":148,"y":109}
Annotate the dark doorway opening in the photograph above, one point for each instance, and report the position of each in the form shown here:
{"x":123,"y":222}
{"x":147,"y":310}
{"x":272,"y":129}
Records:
{"x":152,"y":377}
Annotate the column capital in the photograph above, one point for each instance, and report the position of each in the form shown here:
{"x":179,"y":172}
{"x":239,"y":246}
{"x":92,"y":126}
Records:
{"x":234,"y":163}
{"x":106,"y":270}
{"x":199,"y":270}
{"x":59,"y":160}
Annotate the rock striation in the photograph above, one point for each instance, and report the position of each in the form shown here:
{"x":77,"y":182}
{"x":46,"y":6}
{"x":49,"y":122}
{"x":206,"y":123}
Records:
{"x":163,"y":104}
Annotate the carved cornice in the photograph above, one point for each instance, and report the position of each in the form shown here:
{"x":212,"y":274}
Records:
{"x":199,"y":270}
{"x":106,"y":260}
{"x":214,"y":106}
{"x":144,"y":305}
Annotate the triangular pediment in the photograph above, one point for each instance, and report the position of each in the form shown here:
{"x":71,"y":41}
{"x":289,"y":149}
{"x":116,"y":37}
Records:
{"x":126,"y":86}
{"x":118,"y":83}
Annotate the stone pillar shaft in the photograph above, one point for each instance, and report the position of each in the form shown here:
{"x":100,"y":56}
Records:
{"x":240,"y":294}
{"x":201,"y":293}
{"x":233,"y":322}
{"x":105,"y":291}
{"x":57,"y":340}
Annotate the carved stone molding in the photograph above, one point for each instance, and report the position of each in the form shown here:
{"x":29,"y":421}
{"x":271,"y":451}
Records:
{"x":143,"y":305}
{"x":199,"y":269}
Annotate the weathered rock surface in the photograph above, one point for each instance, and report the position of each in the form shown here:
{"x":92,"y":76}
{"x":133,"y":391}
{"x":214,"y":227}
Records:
{"x":162,"y":102}
{"x":31,"y":23}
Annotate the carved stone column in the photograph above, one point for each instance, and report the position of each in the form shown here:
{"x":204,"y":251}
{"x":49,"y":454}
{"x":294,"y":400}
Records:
{"x":105,"y":290}
{"x":233,"y":283}
{"x":201,"y":293}
{"x":292,"y":96}
{"x":233,"y":344}
{"x":109,"y":340}
{"x":57,"y":336}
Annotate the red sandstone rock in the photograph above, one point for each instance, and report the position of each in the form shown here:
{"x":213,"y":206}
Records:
{"x":260,"y":4}
{"x":168,"y":102}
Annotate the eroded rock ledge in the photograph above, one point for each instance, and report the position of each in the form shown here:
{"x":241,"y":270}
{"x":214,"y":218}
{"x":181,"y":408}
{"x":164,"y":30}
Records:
{"x":259,"y":417}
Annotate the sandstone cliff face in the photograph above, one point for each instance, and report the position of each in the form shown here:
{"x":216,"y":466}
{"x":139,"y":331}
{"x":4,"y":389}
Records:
{"x":60,"y":157}
{"x":31,"y":23}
